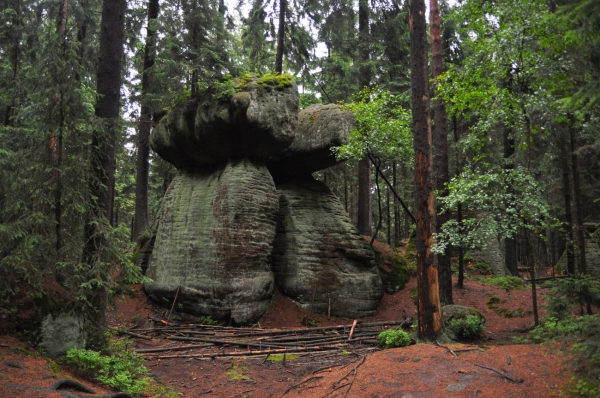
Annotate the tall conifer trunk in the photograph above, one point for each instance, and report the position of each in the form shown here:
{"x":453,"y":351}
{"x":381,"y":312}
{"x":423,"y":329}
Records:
{"x":568,"y":214}
{"x":440,"y":138}
{"x":141,"y":217}
{"x":365,"y":217}
{"x":430,"y":314}
{"x":102,"y":155}
{"x":280,"y":37}
{"x":579,"y":231}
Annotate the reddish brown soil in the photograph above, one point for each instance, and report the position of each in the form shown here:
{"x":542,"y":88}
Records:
{"x":422,"y":370}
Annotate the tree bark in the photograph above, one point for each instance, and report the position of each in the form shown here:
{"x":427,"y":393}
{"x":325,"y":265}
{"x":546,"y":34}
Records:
{"x":102,"y":156}
{"x":141,"y":217}
{"x":396,"y":209}
{"x":440,"y":138}
{"x":427,"y":274}
{"x":510,"y":244}
{"x":364,"y":167}
{"x":280,"y":37}
{"x":579,"y":231}
{"x":568,"y":214}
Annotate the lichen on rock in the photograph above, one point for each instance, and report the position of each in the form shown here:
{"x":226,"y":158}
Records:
{"x":256,"y":121}
{"x":214,"y":242}
{"x":319,"y":256}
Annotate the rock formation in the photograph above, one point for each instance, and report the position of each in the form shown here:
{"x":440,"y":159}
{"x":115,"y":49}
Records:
{"x":216,"y":223}
{"x":319,"y":258}
{"x":226,"y":235}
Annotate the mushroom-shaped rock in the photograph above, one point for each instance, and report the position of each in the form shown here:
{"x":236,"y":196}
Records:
{"x":257,"y":120}
{"x":320,"y":128}
{"x":214,"y":242}
{"x":319,"y":256}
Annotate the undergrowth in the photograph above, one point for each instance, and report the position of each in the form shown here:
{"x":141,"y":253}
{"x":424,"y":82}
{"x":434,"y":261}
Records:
{"x":120,"y":368}
{"x":394,"y":338}
{"x":466,"y":328}
{"x":507,"y":282}
{"x":567,"y":296}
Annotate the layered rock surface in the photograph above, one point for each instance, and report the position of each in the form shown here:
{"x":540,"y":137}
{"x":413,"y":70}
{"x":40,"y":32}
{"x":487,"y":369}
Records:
{"x":257,"y":121}
{"x":216,"y":246}
{"x":318,"y":255}
{"x":320,"y":128}
{"x":214,"y":242}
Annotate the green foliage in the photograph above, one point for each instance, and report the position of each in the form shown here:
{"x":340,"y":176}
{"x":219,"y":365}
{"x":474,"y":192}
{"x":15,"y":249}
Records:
{"x":207,"y":320}
{"x":123,"y":369}
{"x":235,"y":374}
{"x":480,"y":267}
{"x":470,"y":327}
{"x":507,"y":282}
{"x":279,"y":357}
{"x":272,"y":81}
{"x":225,"y":89}
{"x":383,"y":127}
{"x":507,"y":202}
{"x":394,"y":338}
{"x":566,"y":294}
{"x":308,"y":99}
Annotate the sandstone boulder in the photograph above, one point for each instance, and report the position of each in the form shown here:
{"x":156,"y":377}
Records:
{"x":318,"y":255}
{"x":320,"y":128}
{"x":259,"y":120}
{"x":214,"y":242}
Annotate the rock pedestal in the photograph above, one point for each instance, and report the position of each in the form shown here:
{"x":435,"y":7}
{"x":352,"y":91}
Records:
{"x":226,"y":235}
{"x":214,"y":242}
{"x":319,"y":256}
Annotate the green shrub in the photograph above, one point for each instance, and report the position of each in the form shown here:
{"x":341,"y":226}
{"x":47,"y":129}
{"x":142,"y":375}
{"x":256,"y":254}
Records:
{"x":480,"y":267}
{"x":568,"y":293}
{"x":466,"y":328}
{"x":507,"y":282}
{"x":123,"y":370}
{"x":394,"y":338}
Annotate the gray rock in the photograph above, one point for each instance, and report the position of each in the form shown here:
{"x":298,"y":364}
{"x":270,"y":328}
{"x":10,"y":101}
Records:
{"x":320,"y":128}
{"x":61,"y":332}
{"x":214,"y":240}
{"x":257,"y":121}
{"x":317,"y":251}
{"x":459,"y":312}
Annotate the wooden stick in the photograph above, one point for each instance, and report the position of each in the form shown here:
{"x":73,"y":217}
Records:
{"x":173,"y":306}
{"x":335,"y":389}
{"x":176,"y":348}
{"x":250,"y":353}
{"x":139,"y":336}
{"x":446,"y":347}
{"x":518,"y":381}
{"x":311,"y":378}
{"x":329,"y":308}
{"x":352,"y":329}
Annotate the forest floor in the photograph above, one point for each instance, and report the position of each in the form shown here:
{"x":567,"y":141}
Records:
{"x":493,"y":366}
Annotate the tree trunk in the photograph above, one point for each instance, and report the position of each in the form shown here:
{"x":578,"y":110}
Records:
{"x":510,"y":244}
{"x":579,"y":231}
{"x":364,"y":166}
{"x":389,"y":217}
{"x":396,"y":210}
{"x":568,"y":214}
{"x":440,"y":138}
{"x":365,"y":217}
{"x":427,"y":274}
{"x":280,"y":36}
{"x":102,"y":154}
{"x":141,"y":217}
